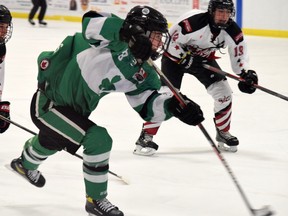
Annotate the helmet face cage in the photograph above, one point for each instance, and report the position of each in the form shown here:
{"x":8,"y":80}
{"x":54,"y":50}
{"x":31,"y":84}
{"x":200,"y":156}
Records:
{"x":221,"y":4}
{"x":5,"y":17}
{"x":165,"y":39}
{"x":150,"y":20}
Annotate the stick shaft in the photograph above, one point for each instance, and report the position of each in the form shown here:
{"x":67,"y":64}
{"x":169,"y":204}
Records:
{"x":208,"y":137}
{"x":216,"y":70}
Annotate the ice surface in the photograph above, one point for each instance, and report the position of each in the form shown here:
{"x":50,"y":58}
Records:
{"x":185,"y":177}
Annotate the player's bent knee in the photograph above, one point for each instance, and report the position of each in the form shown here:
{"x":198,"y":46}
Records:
{"x":97,"y":140}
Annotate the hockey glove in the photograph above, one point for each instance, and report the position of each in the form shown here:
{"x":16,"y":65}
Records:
{"x":191,"y":114}
{"x":186,"y":61}
{"x":189,"y":60}
{"x":139,"y":44}
{"x":250,"y":78}
{"x":5,"y":112}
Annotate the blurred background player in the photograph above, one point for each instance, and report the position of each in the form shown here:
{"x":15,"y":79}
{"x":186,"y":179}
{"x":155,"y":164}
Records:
{"x":6,"y":28}
{"x":73,"y":5}
{"x":84,"y":4}
{"x":43,"y":7}
{"x":109,"y":55}
{"x":194,"y":40}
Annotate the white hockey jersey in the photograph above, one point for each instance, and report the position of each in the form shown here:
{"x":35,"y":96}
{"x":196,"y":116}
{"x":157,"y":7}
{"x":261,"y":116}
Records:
{"x":193,"y":33}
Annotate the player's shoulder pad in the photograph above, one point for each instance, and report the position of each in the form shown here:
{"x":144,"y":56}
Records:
{"x":194,"y":23}
{"x":235,"y":33}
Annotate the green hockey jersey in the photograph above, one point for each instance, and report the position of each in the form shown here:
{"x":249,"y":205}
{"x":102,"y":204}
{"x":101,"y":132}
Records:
{"x":89,"y":65}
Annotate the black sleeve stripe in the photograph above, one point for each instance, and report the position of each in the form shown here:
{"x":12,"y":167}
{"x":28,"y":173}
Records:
{"x":194,"y":23}
{"x":235,"y":33}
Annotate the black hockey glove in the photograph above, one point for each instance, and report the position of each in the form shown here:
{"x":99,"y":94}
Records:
{"x":186,"y":61}
{"x":139,"y":44}
{"x":5,"y":112}
{"x":191,"y":114}
{"x":189,"y":60}
{"x":250,"y":78}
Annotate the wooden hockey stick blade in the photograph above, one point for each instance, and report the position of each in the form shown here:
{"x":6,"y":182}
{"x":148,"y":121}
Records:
{"x":265,"y":211}
{"x":120,"y":178}
{"x":216,"y":70}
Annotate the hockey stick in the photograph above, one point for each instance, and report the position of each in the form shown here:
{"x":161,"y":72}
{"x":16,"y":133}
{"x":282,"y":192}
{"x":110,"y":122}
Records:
{"x":216,"y":70}
{"x":76,"y":155}
{"x":265,"y":211}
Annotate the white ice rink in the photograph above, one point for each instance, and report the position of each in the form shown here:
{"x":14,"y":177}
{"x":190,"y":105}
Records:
{"x":185,"y":177}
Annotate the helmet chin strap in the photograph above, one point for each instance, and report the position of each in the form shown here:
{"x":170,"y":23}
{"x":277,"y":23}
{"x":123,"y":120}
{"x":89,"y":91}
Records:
{"x":218,"y":26}
{"x":221,"y":25}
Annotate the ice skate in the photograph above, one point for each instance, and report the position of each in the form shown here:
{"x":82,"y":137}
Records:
{"x":33,"y":176}
{"x":31,"y":22}
{"x":101,"y":208}
{"x":144,"y":145}
{"x":226,"y":142}
{"x":42,"y":23}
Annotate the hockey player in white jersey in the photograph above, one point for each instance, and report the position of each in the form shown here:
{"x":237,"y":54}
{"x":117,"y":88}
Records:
{"x":5,"y":35}
{"x":194,"y":39}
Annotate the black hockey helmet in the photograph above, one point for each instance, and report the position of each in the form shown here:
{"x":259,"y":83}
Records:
{"x":150,"y":20}
{"x":221,"y":4}
{"x":5,"y":17}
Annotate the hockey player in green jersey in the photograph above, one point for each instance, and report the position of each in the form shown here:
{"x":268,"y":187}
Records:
{"x":109,"y":56}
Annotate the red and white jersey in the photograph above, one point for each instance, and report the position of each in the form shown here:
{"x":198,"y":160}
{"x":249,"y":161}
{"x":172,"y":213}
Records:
{"x":193,"y":33}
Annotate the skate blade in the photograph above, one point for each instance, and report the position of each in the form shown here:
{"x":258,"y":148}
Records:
{"x":14,"y":171}
{"x":8,"y":166}
{"x":139,"y":150}
{"x":223,"y":147}
{"x":90,"y":214}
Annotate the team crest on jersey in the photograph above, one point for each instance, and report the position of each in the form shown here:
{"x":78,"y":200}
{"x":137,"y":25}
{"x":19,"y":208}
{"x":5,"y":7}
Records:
{"x":44,"y":64}
{"x":140,"y":75}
